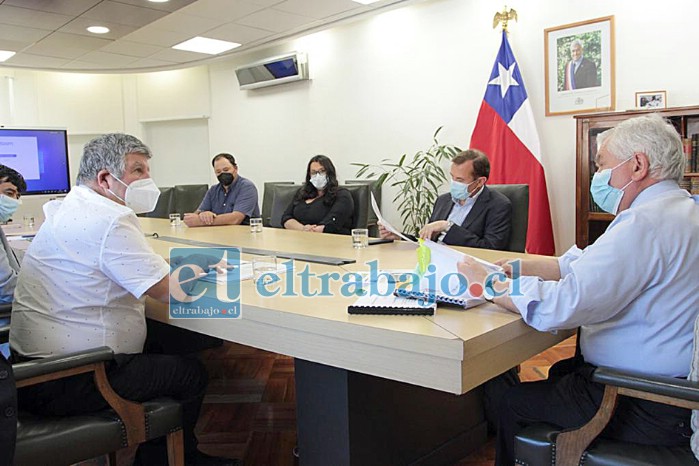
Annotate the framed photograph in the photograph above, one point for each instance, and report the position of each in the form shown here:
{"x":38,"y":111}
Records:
{"x":651,"y":99}
{"x":580,"y":67}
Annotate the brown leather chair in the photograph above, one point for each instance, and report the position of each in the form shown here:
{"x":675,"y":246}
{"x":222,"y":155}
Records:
{"x":54,"y":440}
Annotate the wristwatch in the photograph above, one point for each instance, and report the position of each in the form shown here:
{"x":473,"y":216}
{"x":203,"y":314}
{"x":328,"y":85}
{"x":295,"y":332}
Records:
{"x":488,"y":292}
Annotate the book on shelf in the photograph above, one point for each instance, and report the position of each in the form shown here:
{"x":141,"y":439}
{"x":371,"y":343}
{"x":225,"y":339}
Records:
{"x":687,"y":149}
{"x":695,"y":152}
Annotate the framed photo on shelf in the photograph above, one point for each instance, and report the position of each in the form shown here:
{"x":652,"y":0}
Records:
{"x":579,"y":60}
{"x":651,"y":99}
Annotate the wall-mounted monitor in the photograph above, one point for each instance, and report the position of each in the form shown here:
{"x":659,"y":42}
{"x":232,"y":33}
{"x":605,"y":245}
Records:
{"x":272,"y":71}
{"x":40,"y":155}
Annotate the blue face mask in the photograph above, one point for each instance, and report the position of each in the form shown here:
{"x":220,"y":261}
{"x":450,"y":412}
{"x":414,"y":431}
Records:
{"x":459,"y":191}
{"x":8,"y":206}
{"x":605,"y":195}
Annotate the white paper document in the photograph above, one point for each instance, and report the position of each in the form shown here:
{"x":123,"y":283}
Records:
{"x":385,"y":224}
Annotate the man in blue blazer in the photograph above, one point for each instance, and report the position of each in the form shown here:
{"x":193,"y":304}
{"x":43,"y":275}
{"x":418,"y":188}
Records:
{"x":470,"y":214}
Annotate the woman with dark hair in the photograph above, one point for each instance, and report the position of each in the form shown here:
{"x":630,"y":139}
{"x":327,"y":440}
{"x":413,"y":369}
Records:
{"x":320,"y":205}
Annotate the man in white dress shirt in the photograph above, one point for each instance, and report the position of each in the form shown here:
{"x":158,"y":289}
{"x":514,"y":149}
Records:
{"x":633,"y":293}
{"x":83,"y":284}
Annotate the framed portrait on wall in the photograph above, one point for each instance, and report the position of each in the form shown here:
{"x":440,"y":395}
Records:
{"x":651,"y":99}
{"x":579,"y":60}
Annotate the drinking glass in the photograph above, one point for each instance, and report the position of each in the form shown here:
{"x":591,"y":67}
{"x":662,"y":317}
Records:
{"x":262,"y":265}
{"x":256,"y":225}
{"x":360,"y":238}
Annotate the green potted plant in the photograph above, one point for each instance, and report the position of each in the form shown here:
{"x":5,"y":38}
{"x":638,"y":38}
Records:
{"x":417,"y":179}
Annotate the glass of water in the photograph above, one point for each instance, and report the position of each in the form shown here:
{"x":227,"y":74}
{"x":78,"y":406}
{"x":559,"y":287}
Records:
{"x":175,"y":220}
{"x":262,"y":265}
{"x":360,"y":238}
{"x":256,"y":225}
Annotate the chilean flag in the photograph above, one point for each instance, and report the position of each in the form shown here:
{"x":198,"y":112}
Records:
{"x":505,"y":131}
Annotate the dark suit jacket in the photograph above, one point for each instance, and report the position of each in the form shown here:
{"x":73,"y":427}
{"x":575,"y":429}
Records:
{"x":8,"y":412}
{"x":487,"y":225}
{"x":585,"y":75}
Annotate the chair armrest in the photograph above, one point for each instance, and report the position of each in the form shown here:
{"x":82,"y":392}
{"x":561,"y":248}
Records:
{"x":46,"y":366}
{"x":4,"y":333}
{"x":56,"y":367}
{"x":5,"y":310}
{"x":665,"y":386}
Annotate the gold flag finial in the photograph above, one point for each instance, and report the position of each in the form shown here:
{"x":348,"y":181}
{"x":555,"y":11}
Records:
{"x":503,"y":17}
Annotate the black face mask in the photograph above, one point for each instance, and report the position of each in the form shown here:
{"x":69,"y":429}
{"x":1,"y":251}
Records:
{"x":225,"y":179}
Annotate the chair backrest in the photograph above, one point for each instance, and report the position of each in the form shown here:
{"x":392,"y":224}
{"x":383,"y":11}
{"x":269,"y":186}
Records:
{"x":268,"y":199}
{"x":187,"y":197}
{"x":518,"y":194}
{"x":281,"y":195}
{"x":164,"y":206}
{"x":375,"y":188}
{"x":362,"y":204}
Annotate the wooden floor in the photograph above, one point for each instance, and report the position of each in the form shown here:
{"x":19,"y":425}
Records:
{"x":249,"y":411}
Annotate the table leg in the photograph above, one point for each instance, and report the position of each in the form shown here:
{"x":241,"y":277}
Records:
{"x":345,"y":418}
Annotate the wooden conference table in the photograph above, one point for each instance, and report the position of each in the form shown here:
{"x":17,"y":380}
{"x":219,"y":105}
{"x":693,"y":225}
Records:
{"x":370,"y":389}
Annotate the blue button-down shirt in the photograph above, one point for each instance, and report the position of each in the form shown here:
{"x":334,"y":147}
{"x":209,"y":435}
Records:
{"x":634,"y":291}
{"x":241,"y":197}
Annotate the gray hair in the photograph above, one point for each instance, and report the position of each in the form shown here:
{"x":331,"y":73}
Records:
{"x":108,"y":152}
{"x":577,"y":42}
{"x":650,"y":135}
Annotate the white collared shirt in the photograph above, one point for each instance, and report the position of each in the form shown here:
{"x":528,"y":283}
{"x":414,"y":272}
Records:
{"x":83,"y":278}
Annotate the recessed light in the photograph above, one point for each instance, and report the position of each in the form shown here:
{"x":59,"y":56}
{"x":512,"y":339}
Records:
{"x":5,"y":54}
{"x":206,"y":45}
{"x":98,"y":29}
{"x":365,"y":2}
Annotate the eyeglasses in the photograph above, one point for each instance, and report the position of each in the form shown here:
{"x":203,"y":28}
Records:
{"x":317,"y":172}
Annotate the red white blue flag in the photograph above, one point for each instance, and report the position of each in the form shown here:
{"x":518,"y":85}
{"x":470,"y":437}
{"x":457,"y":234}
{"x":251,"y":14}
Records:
{"x":506,"y":132}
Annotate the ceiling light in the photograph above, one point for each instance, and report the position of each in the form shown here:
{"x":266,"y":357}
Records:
{"x":365,"y":2}
{"x":98,"y":29}
{"x":5,"y":54}
{"x":158,"y":1}
{"x":206,"y":45}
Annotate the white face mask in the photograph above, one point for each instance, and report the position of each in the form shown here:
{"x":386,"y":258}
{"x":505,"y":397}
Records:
{"x":141,"y":195}
{"x":8,"y":206}
{"x":319,"y":180}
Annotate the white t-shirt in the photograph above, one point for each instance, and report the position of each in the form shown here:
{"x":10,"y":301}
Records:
{"x":83,"y":278}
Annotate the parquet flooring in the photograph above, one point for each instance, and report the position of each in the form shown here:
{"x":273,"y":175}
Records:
{"x":249,"y":411}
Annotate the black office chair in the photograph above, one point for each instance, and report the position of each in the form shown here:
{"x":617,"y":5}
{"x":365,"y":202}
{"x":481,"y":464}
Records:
{"x":282,"y":196}
{"x":164,"y":207}
{"x":375,"y":188}
{"x":268,"y":200}
{"x":362,"y":204}
{"x":187,"y":197}
{"x":518,"y":194}
{"x":63,"y":440}
{"x":545,"y":444}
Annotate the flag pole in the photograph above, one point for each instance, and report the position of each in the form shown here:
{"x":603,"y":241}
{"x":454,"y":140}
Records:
{"x":502,"y":17}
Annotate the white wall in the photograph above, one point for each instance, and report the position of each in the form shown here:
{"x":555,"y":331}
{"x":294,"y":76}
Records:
{"x":380,"y":87}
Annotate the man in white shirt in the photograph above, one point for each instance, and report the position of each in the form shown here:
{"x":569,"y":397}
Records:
{"x":83,"y":284}
{"x":632,"y":293}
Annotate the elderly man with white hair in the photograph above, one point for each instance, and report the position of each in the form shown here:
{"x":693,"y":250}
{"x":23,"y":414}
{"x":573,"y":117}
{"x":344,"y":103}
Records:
{"x":633,"y":293}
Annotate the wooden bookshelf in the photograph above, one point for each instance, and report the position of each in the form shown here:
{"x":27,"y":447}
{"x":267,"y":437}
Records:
{"x":590,"y":223}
